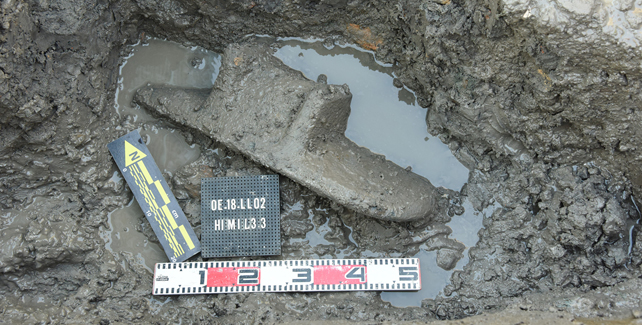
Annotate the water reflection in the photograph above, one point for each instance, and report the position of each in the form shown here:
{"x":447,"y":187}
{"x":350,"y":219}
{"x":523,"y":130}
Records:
{"x":383,"y":118}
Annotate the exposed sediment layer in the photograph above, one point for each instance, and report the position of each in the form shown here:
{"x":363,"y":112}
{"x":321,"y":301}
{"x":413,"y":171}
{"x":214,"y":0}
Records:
{"x":539,"y":98}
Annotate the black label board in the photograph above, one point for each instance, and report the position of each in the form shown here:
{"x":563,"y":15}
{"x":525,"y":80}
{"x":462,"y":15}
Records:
{"x":240,"y":216}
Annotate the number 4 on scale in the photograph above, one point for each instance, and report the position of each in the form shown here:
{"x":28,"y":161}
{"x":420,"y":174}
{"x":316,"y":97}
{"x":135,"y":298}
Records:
{"x":357,"y":273}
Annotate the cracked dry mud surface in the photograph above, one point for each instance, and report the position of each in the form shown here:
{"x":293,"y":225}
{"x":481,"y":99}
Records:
{"x":538,"y":99}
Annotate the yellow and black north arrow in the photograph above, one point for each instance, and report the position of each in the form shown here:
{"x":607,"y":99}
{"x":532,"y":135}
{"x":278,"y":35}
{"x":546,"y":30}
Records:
{"x":154,"y":197}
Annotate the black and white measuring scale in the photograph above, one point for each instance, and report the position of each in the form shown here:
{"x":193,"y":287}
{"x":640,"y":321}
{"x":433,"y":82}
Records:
{"x":318,"y":275}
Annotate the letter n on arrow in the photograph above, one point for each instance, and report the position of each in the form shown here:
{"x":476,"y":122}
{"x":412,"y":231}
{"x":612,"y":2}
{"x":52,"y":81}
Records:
{"x":132,"y":154}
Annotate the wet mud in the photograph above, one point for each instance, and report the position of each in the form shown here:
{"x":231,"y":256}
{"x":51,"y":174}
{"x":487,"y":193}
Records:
{"x":538,"y":100}
{"x":296,"y":127}
{"x":383,"y":118}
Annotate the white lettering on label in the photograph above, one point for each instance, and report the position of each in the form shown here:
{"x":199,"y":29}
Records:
{"x":240,"y":224}
{"x":240,"y":204}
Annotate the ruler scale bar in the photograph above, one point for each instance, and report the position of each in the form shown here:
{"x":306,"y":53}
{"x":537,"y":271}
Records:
{"x":382,"y":274}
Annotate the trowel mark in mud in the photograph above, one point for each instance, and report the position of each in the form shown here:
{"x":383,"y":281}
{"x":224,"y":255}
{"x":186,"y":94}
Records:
{"x":383,"y":118}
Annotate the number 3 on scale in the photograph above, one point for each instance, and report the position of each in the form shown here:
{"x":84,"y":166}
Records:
{"x":302,"y":275}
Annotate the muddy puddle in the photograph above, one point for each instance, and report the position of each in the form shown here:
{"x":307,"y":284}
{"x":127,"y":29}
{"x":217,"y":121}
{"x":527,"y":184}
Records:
{"x":384,"y":118}
{"x":434,"y":278}
{"x":164,"y":63}
{"x":540,"y":98}
{"x":169,"y":148}
{"x":125,"y":236}
{"x":388,"y":121}
{"x":332,"y":237}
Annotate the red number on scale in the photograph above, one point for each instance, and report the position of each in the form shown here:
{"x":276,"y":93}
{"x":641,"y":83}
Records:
{"x":233,"y":276}
{"x":339,"y":274}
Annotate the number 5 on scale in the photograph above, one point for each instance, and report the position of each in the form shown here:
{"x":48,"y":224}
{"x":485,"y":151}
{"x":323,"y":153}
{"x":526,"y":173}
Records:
{"x":408,"y":273}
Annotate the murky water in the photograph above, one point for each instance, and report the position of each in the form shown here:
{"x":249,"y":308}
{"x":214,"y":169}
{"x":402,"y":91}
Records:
{"x":321,"y":242}
{"x":164,"y":63}
{"x":388,"y":121}
{"x":434,"y":278}
{"x":383,"y":118}
{"x":169,"y":149}
{"x":125,"y":236}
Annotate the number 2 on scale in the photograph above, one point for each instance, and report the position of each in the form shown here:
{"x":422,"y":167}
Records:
{"x":248,"y":276}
